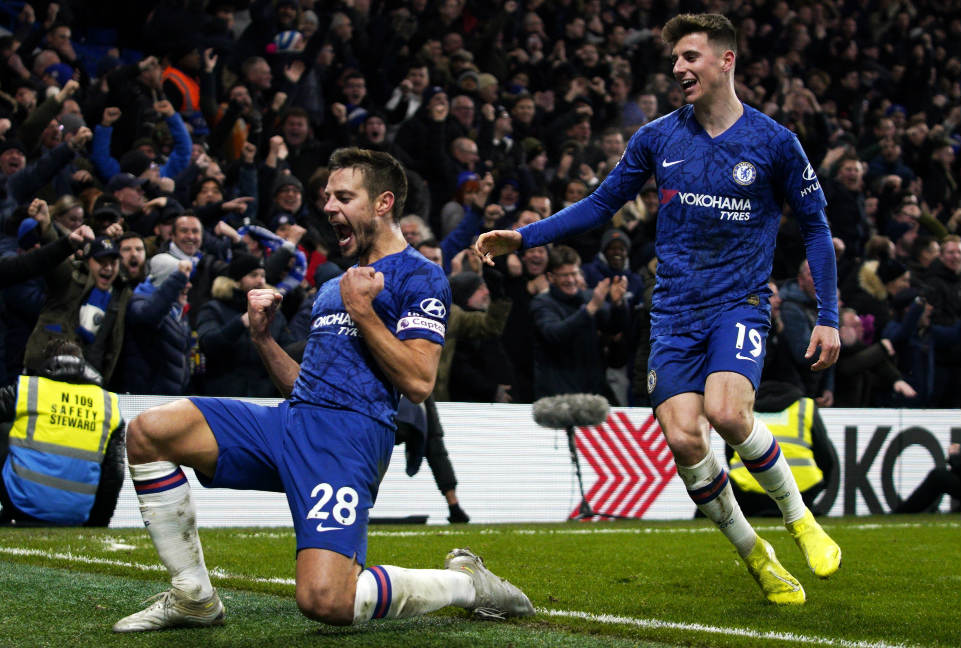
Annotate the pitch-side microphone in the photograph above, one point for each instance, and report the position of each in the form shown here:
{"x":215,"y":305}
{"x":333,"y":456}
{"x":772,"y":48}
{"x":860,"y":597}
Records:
{"x":570,"y":410}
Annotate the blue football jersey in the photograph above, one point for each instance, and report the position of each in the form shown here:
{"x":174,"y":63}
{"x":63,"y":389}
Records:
{"x":338,"y":370}
{"x":720,"y":205}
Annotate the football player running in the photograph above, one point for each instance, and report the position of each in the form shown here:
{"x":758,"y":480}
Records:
{"x":723,"y":171}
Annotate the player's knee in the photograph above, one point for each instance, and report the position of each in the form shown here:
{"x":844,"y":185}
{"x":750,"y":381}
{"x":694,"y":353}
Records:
{"x":141,"y":446}
{"x":146,"y":437}
{"x":325,"y":605}
{"x":727,"y":417}
{"x":687,"y":448}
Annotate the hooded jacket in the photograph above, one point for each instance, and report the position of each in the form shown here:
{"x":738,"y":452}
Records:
{"x":234,"y":367}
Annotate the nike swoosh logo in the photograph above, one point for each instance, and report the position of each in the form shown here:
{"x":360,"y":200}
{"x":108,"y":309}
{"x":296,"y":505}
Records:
{"x":322,"y":528}
{"x":665,"y":163}
{"x":743,"y":357}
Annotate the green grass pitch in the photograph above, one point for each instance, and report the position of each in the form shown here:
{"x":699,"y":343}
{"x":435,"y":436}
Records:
{"x":602,"y":584}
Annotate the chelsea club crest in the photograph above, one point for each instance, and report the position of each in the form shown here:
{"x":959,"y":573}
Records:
{"x":744,"y":173}
{"x":651,"y":381}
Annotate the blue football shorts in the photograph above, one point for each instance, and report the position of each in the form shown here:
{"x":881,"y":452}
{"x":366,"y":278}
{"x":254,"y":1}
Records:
{"x":734,"y":341}
{"x":328,"y":462}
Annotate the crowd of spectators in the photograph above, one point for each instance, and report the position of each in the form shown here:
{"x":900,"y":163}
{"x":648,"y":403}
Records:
{"x":191,"y":138}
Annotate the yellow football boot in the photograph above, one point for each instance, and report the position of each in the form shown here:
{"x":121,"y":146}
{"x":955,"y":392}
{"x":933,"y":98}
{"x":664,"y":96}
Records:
{"x":777,"y":584}
{"x":823,"y":555}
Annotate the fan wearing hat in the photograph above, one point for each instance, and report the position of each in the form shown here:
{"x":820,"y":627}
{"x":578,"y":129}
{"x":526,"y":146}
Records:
{"x":156,"y":355}
{"x":182,"y":80}
{"x":613,"y":261}
{"x":233,"y":366}
{"x":88,"y":308}
{"x":128,"y":192}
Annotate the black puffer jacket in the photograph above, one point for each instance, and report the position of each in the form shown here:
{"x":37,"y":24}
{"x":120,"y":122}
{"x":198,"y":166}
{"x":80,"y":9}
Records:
{"x":155,"y":358}
{"x":234,"y":367}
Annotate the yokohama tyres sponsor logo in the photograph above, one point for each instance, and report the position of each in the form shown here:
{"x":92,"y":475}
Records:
{"x":340,"y":319}
{"x":717,"y":202}
{"x":633,"y":464}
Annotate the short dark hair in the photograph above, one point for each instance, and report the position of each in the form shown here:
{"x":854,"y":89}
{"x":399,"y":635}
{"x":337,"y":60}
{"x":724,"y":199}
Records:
{"x":294,"y":111}
{"x":921,"y":243}
{"x":561,"y":255}
{"x":382,"y":172}
{"x":130,"y":234}
{"x":720,"y":31}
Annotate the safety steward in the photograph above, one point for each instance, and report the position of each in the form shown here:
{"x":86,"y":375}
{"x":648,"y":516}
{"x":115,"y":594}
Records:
{"x":800,"y":431}
{"x":64,"y":464}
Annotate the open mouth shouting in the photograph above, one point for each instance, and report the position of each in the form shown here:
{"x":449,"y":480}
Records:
{"x":345,"y":236}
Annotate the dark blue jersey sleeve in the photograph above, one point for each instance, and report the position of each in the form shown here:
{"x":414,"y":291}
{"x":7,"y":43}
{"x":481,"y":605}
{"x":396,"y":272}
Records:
{"x":804,"y":195}
{"x":623,"y":183}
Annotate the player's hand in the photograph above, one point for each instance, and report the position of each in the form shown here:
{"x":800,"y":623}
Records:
{"x":826,"y":399}
{"x":495,"y":243}
{"x":358,"y":288}
{"x":827,"y":338}
{"x":262,"y":305}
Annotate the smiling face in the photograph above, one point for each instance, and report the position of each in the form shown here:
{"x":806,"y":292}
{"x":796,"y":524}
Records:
{"x":565,"y":278}
{"x":71,"y":219}
{"x":616,"y":255}
{"x":188,"y":234}
{"x":700,"y":67}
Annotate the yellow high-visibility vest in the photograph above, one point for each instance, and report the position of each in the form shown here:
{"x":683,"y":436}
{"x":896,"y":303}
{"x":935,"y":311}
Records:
{"x":57,"y":442}
{"x":792,"y":429}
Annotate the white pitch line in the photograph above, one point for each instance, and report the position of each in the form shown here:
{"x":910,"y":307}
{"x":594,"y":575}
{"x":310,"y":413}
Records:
{"x":599,"y":618}
{"x":589,"y":530}
{"x":737,"y":632}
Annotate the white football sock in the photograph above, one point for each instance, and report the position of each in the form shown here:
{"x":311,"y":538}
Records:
{"x":170,"y":518}
{"x":762,"y":455}
{"x":388,"y":592}
{"x":707,"y":484}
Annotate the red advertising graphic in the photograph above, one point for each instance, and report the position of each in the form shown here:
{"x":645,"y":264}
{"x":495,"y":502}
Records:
{"x":633,"y":465}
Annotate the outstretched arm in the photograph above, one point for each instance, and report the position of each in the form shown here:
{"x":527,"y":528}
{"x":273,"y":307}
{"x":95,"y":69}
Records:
{"x":262,"y":305}
{"x":495,"y":243}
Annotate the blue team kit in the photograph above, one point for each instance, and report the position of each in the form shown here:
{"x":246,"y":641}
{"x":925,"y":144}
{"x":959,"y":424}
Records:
{"x":720,"y":207}
{"x":327,"y":447}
